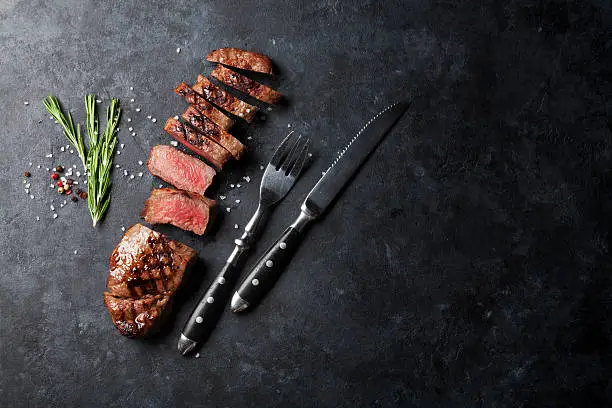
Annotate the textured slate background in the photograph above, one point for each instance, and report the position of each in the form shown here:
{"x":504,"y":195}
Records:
{"x":467,"y":264}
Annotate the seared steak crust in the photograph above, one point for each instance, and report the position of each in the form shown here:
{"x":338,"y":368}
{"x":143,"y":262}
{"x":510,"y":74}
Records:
{"x":222,"y":99}
{"x":205,"y":126}
{"x":146,"y":268}
{"x":198,"y":142}
{"x":246,"y":85}
{"x":205,"y":107}
{"x":235,"y":57}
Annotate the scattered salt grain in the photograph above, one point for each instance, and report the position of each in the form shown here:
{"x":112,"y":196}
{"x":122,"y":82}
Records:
{"x":78,"y":174}
{"x":129,"y":119}
{"x":98,"y":101}
{"x":140,"y":174}
{"x":269,"y":109}
{"x":131,"y":88}
{"x":261,"y":167}
{"x":235,"y":226}
{"x":222,"y":197}
{"x":49,"y":155}
{"x":32,"y":196}
{"x":125,"y":173}
{"x":37,"y":218}
{"x":76,"y":182}
{"x":75,"y":251}
{"x":85,"y":182}
{"x":26,"y":103}
{"x":309,"y":154}
{"x":178,"y":50}
{"x":237,"y":185}
{"x":137,"y":109}
{"x":117,"y":166}
{"x":27,"y":185}
{"x":54,"y":216}
{"x":174,"y":143}
{"x":65,"y":202}
{"x":228,"y":209}
{"x":130,"y":129}
{"x":61,"y":205}
{"x":161,"y":185}
{"x":74,"y":166}
{"x":122,"y":228}
{"x":51,"y":186}
{"x":232,"y":186}
{"x":247,"y":179}
{"x":288,"y":125}
{"x":38,"y":166}
{"x":67,"y":146}
{"x":133,"y":133}
{"x":27,"y":191}
{"x":30,"y":164}
{"x":176,"y":117}
{"x":62,"y":148}
{"x":122,"y":145}
{"x":71,"y":151}
{"x":48,"y":169}
{"x":131,"y":176}
{"x":140,"y":162}
{"x":154,"y":120}
{"x":249,"y":138}
{"x":237,"y":201}
{"x":132,"y":100}
{"x":63,"y":179}
{"x":149,"y":116}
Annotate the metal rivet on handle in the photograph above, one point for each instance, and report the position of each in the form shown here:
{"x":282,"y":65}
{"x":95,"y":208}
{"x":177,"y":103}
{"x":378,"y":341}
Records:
{"x":210,"y":299}
{"x":199,"y":319}
{"x":282,"y":245}
{"x":255,"y":282}
{"x":221,"y":280}
{"x":269,"y":263}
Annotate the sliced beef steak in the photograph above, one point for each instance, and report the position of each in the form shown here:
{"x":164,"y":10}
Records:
{"x":246,"y":85}
{"x":198,"y":143}
{"x":235,"y":57}
{"x":146,"y":268}
{"x":222,"y":99}
{"x":179,"y":169}
{"x":182,"y":209}
{"x":136,"y":317}
{"x":205,"y":107}
{"x":205,"y":126}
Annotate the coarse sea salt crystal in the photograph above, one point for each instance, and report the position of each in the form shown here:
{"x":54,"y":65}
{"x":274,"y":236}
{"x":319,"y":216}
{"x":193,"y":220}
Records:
{"x":75,"y":251}
{"x":129,"y":119}
{"x":125,"y":173}
{"x":161,"y":185}
{"x":247,"y":179}
{"x":62,"y":148}
{"x":140,"y":174}
{"x":49,"y":155}
{"x":137,"y":109}
{"x":249,"y":138}
{"x":98,"y":101}
{"x":38,"y":166}
{"x":131,"y":176}
{"x":174,"y":143}
{"x":32,"y":196}
{"x":176,"y":117}
{"x":231,"y":185}
{"x":237,"y":201}
{"x":130,"y":129}
{"x":178,"y":50}
{"x":118,"y":151}
{"x":37,"y":218}
{"x":54,"y":216}
{"x":131,"y":88}
{"x":261,"y":167}
{"x":71,"y":151}
{"x":149,"y":116}
{"x":237,"y":185}
{"x":269,"y":109}
{"x":133,"y":133}
{"x":154,"y":120}
{"x":228,"y":209}
{"x":30,"y":164}
{"x":117,"y":166}
{"x":26,"y":103}
{"x":132,"y":100}
{"x":122,"y":145}
{"x":235,"y":226}
{"x":122,"y":228}
{"x":140,"y":162}
{"x":222,"y":197}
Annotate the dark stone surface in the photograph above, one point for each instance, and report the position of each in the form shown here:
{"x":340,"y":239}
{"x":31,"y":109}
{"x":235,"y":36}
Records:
{"x":467,"y":265}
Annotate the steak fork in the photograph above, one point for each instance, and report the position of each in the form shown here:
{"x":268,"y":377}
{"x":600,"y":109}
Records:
{"x":279,"y":176}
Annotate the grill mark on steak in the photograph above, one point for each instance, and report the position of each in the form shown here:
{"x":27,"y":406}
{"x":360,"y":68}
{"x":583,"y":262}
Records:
{"x":235,"y":57}
{"x":206,"y":127}
{"x":222,"y":99}
{"x":246,"y":85}
{"x":197,"y":142}
{"x":203,"y":106}
{"x":146,"y":268}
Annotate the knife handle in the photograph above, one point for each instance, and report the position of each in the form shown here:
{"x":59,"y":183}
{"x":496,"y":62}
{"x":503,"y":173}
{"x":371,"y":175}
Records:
{"x":270,"y":266}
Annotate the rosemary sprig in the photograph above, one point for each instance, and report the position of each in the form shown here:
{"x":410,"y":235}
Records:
{"x":100,"y":158}
{"x":75,"y":138}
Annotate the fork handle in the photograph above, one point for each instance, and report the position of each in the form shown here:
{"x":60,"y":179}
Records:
{"x":270,"y":266}
{"x":207,"y":312}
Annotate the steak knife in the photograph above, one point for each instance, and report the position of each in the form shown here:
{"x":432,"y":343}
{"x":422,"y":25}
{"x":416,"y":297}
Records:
{"x":270,"y":266}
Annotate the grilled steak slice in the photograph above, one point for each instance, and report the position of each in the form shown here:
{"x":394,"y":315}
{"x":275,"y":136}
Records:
{"x":222,"y":99}
{"x":205,"y":126}
{"x":146,"y":262}
{"x":246,"y":85}
{"x":205,"y":107}
{"x":182,"y":209}
{"x":136,"y":318}
{"x":179,"y":169}
{"x":235,"y":57}
{"x":197,"y":143}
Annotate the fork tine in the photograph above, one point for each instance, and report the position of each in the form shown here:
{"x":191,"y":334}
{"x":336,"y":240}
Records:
{"x":291,"y":156}
{"x":281,"y":151}
{"x":295,"y":170}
